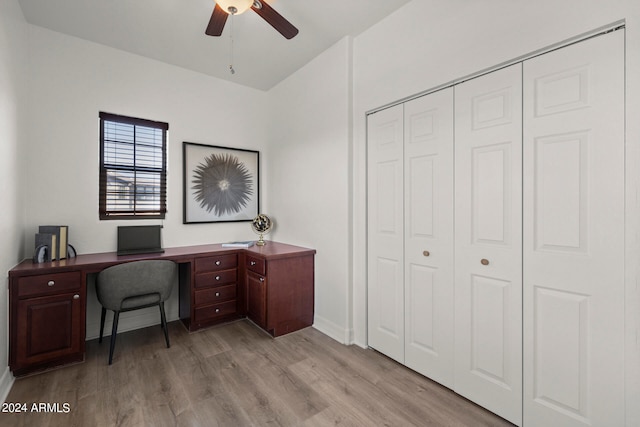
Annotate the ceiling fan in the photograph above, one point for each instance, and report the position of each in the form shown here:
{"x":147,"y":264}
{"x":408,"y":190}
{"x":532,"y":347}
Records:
{"x":224,"y":8}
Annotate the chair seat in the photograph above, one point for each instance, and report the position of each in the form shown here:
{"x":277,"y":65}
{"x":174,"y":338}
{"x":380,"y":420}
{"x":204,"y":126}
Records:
{"x":139,"y":301}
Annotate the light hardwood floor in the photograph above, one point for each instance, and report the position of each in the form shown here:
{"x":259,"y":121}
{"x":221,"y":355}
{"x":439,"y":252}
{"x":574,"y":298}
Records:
{"x":236,"y":375}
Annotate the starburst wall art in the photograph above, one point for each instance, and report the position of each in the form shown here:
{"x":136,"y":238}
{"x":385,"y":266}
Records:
{"x":220,"y":183}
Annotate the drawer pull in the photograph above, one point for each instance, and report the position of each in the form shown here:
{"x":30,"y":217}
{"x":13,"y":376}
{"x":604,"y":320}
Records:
{"x":76,"y":296}
{"x":262,"y":279}
{"x":217,"y":277}
{"x":217,"y":310}
{"x":218,"y":262}
{"x":217,"y":294}
{"x":51,"y":283}
{"x":426,"y":253}
{"x":252,"y":263}
{"x":484,"y":261}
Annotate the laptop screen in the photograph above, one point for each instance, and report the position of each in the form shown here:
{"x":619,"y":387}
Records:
{"x":139,"y":239}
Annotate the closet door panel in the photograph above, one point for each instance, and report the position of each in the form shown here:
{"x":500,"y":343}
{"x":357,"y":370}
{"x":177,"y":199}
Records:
{"x":429,"y":235}
{"x":574,"y":234}
{"x":386,"y":232}
{"x":488,"y":241}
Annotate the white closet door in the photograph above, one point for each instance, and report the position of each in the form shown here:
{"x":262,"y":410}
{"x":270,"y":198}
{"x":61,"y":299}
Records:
{"x":488,"y":239}
{"x":386,"y":232}
{"x":428,"y":165}
{"x":574,"y":235}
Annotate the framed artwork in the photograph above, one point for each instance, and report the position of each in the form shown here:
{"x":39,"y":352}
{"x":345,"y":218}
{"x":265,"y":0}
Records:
{"x":219,"y":183}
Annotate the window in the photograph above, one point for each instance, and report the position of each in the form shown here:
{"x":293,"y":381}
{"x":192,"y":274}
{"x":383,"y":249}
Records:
{"x":133,"y":168}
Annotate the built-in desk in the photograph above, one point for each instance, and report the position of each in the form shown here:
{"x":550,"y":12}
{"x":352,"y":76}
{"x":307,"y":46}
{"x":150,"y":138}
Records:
{"x":271,"y":284}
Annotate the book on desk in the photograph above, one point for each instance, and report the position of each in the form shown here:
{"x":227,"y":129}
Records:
{"x":244,"y":244}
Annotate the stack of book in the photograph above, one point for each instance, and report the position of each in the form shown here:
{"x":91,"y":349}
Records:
{"x":55,"y":238}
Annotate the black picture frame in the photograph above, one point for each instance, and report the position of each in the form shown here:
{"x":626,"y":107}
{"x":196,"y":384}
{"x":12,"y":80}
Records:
{"x":220,"y":184}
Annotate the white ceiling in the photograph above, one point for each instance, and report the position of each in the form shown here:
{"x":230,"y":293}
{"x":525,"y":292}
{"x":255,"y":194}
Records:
{"x":172,"y":31}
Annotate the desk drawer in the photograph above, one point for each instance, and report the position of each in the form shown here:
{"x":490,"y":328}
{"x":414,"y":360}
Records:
{"x":216,"y":278}
{"x":49,"y":284}
{"x":216,"y":263}
{"x":257,"y":265}
{"x":210,"y":312}
{"x":215,"y":295}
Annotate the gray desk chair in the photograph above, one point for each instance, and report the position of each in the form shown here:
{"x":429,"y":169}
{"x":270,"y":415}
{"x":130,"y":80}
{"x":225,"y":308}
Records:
{"x":135,"y":285}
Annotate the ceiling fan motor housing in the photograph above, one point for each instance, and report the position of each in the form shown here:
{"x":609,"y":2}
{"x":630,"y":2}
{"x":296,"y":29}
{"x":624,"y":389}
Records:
{"x":235,"y":7}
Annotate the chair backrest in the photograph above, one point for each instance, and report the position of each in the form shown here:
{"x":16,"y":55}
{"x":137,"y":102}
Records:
{"x":135,"y":278}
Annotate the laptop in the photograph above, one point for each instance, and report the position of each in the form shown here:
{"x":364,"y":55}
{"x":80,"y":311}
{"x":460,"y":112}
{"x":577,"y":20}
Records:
{"x":139,"y":239}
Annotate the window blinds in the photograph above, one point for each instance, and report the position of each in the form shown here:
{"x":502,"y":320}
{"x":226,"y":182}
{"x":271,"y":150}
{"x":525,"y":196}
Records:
{"x":133,"y":167}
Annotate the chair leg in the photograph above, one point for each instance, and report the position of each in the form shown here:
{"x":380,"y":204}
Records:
{"x":114,"y":332}
{"x":163,"y":320}
{"x":102,"y":316}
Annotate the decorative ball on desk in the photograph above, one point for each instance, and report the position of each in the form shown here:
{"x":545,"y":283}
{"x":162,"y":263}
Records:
{"x":261,"y":225}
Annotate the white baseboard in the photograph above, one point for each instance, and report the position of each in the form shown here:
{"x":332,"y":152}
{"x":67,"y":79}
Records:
{"x":6,"y":382}
{"x":129,"y":321}
{"x":338,"y":333}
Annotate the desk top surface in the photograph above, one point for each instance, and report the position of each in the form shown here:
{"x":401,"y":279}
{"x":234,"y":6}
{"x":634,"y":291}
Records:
{"x":98,"y":261}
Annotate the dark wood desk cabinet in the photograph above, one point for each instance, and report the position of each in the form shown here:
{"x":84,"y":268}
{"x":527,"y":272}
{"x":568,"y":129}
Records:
{"x":215,"y":296}
{"x":48,"y":320}
{"x":273,"y":285}
{"x":279,"y":292}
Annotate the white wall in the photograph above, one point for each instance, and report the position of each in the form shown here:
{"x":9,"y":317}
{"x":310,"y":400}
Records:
{"x":13,"y":57}
{"x":309,"y":169}
{"x":70,"y":81}
{"x":427,"y":44}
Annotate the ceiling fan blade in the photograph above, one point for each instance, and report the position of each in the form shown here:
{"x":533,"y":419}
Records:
{"x":276,"y":20}
{"x":217,"y":21}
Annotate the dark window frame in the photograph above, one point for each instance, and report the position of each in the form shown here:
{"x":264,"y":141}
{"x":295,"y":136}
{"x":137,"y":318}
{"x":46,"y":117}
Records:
{"x":137,"y":211}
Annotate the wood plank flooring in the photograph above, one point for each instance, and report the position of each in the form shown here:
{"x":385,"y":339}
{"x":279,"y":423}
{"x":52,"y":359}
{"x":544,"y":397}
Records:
{"x":236,"y":375}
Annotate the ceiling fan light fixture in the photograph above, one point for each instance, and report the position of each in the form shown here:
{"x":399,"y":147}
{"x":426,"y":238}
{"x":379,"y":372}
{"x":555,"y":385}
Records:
{"x":235,"y":7}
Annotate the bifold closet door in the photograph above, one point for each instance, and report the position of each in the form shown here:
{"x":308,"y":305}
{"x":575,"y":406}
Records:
{"x":428,"y":212}
{"x":385,"y":287}
{"x":488,"y":241}
{"x":574,"y":235}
